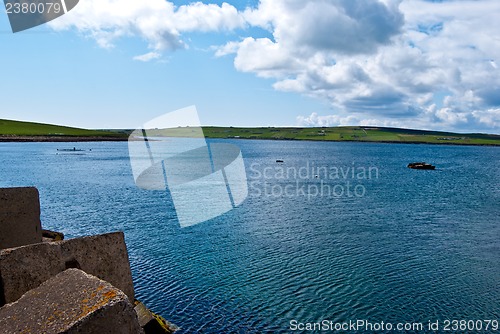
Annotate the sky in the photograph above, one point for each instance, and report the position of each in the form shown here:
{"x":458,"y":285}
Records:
{"x":120,"y":63}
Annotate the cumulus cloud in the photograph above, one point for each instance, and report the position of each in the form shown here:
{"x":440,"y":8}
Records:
{"x":329,"y":120}
{"x":345,"y":26}
{"x":412,"y":63}
{"x":491,"y":117}
{"x":159,"y":22}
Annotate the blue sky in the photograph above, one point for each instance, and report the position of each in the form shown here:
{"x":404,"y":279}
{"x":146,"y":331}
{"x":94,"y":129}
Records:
{"x":120,"y":63}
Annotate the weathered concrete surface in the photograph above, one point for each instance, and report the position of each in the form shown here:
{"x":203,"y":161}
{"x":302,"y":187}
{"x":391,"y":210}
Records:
{"x":25,"y":268}
{"x":104,"y":256}
{"x":19,"y":217}
{"x":71,"y":302}
{"x":153,"y":323}
{"x":48,"y":235}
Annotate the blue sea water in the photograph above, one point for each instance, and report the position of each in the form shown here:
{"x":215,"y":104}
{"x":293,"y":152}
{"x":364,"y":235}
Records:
{"x":397,"y":245}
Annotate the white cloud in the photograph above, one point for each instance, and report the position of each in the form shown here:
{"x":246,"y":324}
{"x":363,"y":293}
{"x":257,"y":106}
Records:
{"x":491,"y":117}
{"x":148,"y":56}
{"x":330,"y":120}
{"x":261,"y":56}
{"x":207,"y":17}
{"x":159,"y":22}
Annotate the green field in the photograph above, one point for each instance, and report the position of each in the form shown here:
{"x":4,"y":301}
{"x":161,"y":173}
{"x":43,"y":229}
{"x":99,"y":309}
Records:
{"x":18,"y":129}
{"x":354,"y":133}
{"x":13,"y":129}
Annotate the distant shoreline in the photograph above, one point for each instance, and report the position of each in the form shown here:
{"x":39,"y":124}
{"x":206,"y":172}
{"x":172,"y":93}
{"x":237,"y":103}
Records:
{"x":69,"y":139}
{"x":17,"y":131}
{"x":57,"y":139}
{"x":364,"y":141}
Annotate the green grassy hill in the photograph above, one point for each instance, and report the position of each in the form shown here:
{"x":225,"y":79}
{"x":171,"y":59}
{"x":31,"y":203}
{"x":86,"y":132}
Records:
{"x":13,"y":129}
{"x":17,"y":128}
{"x":354,"y":133}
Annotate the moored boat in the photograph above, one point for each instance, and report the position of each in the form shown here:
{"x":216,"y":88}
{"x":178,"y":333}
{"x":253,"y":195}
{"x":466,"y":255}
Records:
{"x":421,"y":165}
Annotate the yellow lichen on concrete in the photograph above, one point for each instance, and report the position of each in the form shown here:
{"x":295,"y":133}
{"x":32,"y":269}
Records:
{"x":90,"y":306}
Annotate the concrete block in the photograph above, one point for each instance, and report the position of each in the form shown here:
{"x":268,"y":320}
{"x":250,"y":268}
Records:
{"x":71,"y":302}
{"x":153,"y":323}
{"x":104,"y":256}
{"x":19,"y":217}
{"x":25,"y":268}
{"x":48,"y":235}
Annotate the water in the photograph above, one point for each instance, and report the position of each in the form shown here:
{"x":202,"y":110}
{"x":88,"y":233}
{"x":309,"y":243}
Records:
{"x":408,"y":246}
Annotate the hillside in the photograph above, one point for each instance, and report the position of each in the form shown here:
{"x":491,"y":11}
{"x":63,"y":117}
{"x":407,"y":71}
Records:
{"x":28,"y":131}
{"x":354,"y":133}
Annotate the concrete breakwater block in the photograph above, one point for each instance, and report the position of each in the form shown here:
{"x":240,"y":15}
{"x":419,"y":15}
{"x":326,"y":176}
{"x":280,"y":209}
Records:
{"x":19,"y":217}
{"x":25,"y":268}
{"x":153,"y":323}
{"x":71,"y":302}
{"x":48,"y":236}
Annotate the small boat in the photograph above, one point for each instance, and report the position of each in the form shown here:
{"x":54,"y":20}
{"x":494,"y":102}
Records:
{"x":74,"y":149}
{"x":421,"y":165}
{"x":279,"y":160}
